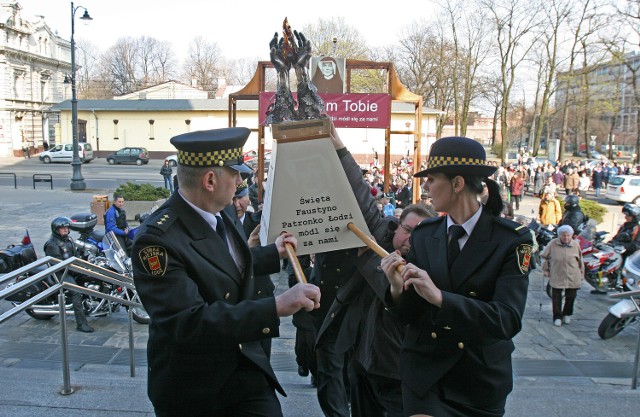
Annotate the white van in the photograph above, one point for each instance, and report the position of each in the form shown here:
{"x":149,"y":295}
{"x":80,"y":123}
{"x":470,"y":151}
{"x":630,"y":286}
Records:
{"x":64,"y":153}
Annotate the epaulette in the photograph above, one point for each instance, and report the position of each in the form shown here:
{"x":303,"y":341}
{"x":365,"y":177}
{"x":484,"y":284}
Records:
{"x":162,"y":220}
{"x":430,"y":221}
{"x":511,"y":225}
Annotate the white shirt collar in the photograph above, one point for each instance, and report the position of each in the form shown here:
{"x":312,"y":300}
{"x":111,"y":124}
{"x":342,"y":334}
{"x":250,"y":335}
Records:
{"x":468,"y":226}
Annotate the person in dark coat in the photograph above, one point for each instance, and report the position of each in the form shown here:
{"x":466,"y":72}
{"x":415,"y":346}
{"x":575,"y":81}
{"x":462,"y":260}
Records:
{"x":248,"y":222}
{"x":403,"y":195}
{"x":356,"y":319}
{"x":331,"y":270}
{"x":462,"y":291}
{"x":61,"y":246}
{"x":598,"y":179}
{"x":628,"y":235}
{"x":573,"y":215}
{"x":166,"y":173}
{"x":193,"y":271}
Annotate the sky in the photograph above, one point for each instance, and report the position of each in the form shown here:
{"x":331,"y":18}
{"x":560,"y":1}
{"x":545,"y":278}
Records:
{"x":241,"y":28}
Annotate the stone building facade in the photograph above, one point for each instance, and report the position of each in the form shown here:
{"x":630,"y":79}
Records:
{"x":34,"y":62}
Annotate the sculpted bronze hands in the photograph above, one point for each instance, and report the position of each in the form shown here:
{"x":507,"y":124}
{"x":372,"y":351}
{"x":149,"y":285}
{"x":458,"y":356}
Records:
{"x":293,"y":50}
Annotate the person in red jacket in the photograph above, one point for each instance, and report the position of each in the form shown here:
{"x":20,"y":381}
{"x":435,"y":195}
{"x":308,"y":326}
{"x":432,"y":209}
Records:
{"x":517,"y":185}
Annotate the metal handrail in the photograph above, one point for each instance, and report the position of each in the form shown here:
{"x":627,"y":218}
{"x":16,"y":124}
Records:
{"x":75,"y":265}
{"x":15,"y":179}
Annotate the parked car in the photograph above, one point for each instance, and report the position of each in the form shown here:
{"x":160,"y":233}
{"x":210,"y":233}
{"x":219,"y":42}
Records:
{"x":173,"y":160}
{"x":624,"y":188}
{"x":136,"y":156}
{"x":594,"y":154}
{"x":64,"y":153}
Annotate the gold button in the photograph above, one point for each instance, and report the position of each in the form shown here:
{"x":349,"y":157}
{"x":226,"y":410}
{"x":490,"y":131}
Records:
{"x":240,"y":346}
{"x":337,"y":287}
{"x":266,"y":330}
{"x":226,"y":296}
{"x":434,"y":335}
{"x":220,"y":163}
{"x":472,"y":293}
{"x":333,"y":315}
{"x":322,"y":282}
{"x":259,"y":292}
{"x":338,"y":270}
{"x":460,"y":345}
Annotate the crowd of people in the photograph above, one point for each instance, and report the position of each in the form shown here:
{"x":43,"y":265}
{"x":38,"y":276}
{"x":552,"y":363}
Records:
{"x":401,"y":335}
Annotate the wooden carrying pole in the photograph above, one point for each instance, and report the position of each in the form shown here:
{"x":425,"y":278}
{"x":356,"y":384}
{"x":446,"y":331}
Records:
{"x":372,"y":244}
{"x":293,"y":260}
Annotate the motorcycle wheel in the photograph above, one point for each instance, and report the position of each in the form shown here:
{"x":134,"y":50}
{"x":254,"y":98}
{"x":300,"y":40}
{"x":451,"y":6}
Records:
{"x":140,"y":316}
{"x":612,"y":325}
{"x":37,"y":316}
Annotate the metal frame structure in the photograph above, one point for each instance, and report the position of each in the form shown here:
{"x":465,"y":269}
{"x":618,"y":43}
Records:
{"x":72,"y":264}
{"x":397,"y":91}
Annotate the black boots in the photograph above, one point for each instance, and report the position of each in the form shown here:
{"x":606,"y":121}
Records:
{"x":84,"y":327}
{"x":81,"y":320}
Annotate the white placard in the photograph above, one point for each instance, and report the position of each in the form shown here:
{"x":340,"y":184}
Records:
{"x":308,"y":194}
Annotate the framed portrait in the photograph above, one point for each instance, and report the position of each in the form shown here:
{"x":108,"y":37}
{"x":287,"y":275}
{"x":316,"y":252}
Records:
{"x":328,"y":74}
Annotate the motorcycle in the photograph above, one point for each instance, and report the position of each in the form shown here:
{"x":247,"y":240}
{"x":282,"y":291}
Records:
{"x":626,"y":311}
{"x":114,"y":258}
{"x":544,"y":235}
{"x":17,"y":256}
{"x":89,"y":243}
{"x":603,"y":262}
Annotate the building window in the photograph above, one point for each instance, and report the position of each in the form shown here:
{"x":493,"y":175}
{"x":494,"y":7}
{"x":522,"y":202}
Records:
{"x":18,"y":84}
{"x":115,"y":129}
{"x":151,"y":135}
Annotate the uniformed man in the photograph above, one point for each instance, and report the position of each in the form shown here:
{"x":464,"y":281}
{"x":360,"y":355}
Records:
{"x":194,"y":273}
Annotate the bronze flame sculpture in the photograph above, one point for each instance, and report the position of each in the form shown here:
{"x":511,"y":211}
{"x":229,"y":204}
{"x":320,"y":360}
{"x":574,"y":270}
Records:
{"x":293,"y":50}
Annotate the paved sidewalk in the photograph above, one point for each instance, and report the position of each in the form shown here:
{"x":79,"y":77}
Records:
{"x":559,"y":371}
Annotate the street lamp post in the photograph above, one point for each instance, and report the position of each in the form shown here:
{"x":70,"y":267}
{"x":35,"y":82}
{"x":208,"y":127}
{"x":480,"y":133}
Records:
{"x":77,"y":181}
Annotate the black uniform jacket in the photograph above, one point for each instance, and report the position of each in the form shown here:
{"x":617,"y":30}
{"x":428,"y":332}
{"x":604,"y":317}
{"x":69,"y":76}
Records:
{"x":465,"y":345}
{"x":204,"y":318}
{"x":357,"y":314}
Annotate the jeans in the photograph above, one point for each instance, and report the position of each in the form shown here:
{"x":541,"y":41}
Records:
{"x":168,"y":184}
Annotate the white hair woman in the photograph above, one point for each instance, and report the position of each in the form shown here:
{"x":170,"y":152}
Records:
{"x":562,"y":264}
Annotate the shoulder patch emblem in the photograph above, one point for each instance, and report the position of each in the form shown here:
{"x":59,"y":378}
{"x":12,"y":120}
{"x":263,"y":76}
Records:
{"x":523,"y":253}
{"x":154,"y":260}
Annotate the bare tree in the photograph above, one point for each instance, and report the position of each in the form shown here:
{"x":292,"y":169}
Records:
{"x":118,"y":67}
{"x":556,"y":12}
{"x":630,"y":14}
{"x":349,"y":43}
{"x":513,"y":21}
{"x":88,"y":80}
{"x":491,"y":93}
{"x":471,"y":46}
{"x":581,"y":28}
{"x":240,"y":71}
{"x":135,"y":63}
{"x":204,"y":64}
{"x":425,"y":60}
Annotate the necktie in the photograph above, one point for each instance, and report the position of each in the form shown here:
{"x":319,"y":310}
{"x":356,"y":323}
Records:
{"x":455,"y":233}
{"x":221,"y":229}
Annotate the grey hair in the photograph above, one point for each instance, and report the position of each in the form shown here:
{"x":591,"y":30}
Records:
{"x":565,"y":228}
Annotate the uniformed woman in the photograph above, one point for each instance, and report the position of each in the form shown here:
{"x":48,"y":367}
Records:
{"x":462,"y":290}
